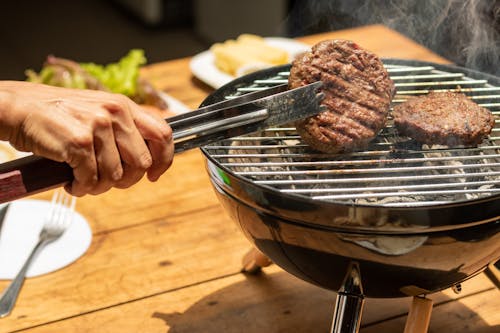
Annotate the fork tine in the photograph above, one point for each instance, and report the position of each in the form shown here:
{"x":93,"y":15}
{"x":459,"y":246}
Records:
{"x":54,"y":203}
{"x":61,"y":211}
{"x":70,"y":208}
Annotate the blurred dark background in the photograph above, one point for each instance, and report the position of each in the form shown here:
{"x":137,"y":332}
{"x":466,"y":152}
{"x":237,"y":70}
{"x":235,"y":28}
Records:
{"x":98,"y":31}
{"x":102,"y":31}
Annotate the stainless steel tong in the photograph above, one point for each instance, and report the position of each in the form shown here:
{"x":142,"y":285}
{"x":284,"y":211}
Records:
{"x":244,"y":114}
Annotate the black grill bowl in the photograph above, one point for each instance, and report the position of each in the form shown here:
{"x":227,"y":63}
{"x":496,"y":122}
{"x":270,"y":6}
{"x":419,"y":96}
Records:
{"x":415,"y":251}
{"x":391,"y":264}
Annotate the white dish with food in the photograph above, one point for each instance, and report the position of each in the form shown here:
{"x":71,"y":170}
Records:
{"x":203,"y":67}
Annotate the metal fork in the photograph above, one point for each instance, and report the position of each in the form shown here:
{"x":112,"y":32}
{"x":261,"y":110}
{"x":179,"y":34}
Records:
{"x":56,"y":222}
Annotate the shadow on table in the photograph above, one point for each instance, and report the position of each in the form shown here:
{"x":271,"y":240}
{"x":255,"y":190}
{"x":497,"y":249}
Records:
{"x":279,"y":302}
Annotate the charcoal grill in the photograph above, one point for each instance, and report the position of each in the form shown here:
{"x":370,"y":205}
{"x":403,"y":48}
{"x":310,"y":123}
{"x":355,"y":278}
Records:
{"x":395,"y":219}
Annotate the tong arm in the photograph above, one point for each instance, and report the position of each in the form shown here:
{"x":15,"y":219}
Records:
{"x":227,"y":118}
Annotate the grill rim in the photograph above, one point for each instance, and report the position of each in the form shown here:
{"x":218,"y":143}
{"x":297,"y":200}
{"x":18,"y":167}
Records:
{"x":445,"y":67}
{"x":446,"y":208}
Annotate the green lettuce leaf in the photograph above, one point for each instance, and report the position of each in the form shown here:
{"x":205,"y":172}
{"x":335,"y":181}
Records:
{"x":120,"y":77}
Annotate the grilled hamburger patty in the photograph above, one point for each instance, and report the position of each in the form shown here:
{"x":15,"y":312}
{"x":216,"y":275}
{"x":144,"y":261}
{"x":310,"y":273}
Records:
{"x":358,"y":92}
{"x":445,"y":118}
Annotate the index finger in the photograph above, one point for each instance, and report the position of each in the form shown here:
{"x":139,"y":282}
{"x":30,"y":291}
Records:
{"x":158,"y":135}
{"x":151,"y":126}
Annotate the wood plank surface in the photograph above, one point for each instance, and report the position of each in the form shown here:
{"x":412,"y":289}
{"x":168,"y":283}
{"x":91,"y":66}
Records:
{"x":273,"y":302}
{"x":476,"y":313}
{"x":165,"y":257}
{"x":132,"y":263}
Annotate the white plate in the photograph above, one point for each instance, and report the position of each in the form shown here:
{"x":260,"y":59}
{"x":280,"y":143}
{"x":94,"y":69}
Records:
{"x":203,"y":67}
{"x":21,"y":226}
{"x":19,"y":234}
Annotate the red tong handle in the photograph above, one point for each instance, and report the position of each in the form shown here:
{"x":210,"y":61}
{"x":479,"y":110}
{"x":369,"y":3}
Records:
{"x":28,"y":175}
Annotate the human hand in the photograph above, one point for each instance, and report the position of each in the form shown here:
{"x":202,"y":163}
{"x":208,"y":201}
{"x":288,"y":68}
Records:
{"x":107,"y":139}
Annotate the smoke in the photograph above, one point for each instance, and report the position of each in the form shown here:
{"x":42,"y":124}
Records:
{"x":466,"y":32}
{"x":481,"y":42}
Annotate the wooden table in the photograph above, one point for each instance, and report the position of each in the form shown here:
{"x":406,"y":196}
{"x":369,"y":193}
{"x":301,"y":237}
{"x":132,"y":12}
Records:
{"x":166,"y":258}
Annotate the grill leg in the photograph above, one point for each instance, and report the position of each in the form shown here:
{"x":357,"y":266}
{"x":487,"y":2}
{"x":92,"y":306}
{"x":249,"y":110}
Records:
{"x":419,"y":315}
{"x":349,"y":303}
{"x":254,"y":260}
{"x":347,"y":315}
{"x":493,"y":273}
